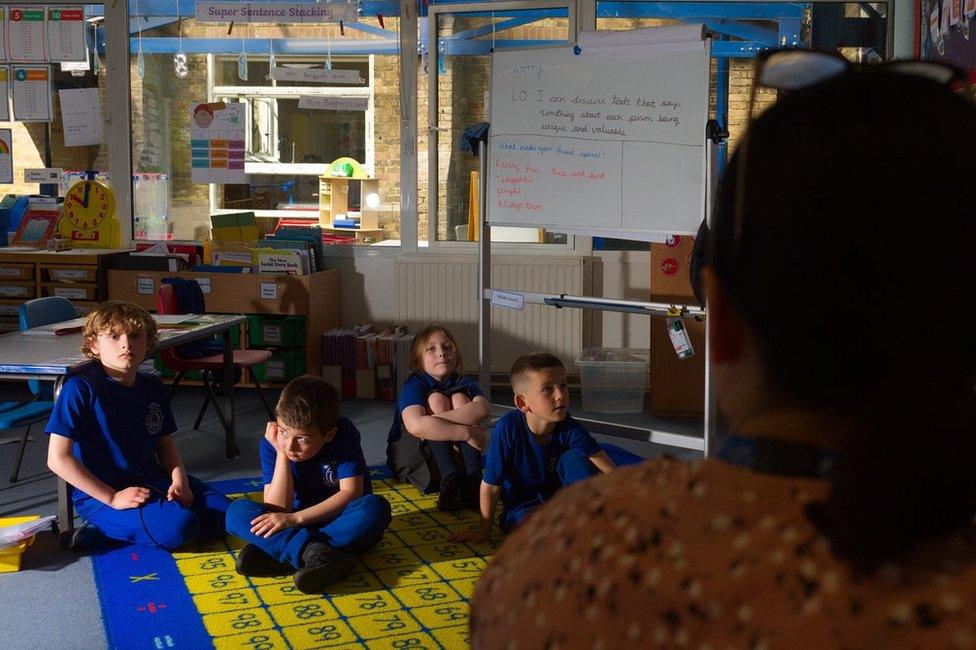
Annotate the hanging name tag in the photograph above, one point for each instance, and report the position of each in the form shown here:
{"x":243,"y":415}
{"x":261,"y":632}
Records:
{"x":679,"y":338}
{"x":507,"y":299}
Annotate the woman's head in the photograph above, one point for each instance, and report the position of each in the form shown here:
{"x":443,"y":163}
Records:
{"x":852,"y":255}
{"x":841,"y":259}
{"x":436,"y":352}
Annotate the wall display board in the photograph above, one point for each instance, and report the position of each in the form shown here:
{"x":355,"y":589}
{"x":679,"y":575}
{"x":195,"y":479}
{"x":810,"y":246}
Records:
{"x":6,"y":156}
{"x":607,"y":138}
{"x":4,"y":94}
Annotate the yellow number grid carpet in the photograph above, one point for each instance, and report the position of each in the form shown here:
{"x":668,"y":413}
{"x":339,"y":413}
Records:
{"x":411,"y":591}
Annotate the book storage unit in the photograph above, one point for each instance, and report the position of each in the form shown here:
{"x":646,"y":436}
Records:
{"x":288,"y":313}
{"x":78,"y":275}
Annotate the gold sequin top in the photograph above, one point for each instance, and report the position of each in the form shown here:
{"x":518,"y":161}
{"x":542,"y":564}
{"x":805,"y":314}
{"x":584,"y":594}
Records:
{"x":710,"y":556}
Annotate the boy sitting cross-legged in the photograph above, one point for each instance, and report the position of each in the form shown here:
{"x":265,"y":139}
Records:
{"x":110,"y":438}
{"x":535,"y":449}
{"x":319,"y":510}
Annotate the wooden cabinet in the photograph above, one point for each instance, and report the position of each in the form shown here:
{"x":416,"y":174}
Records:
{"x":78,"y":275}
{"x":677,"y":386}
{"x":317,"y":297}
{"x":334,"y":204}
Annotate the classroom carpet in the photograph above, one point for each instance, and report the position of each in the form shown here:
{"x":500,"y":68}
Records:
{"x":411,"y":591}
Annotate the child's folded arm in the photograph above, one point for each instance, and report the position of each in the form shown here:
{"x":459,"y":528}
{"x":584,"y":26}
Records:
{"x":350,"y":489}
{"x":602,"y":462}
{"x":471,"y":413}
{"x":431,"y":427}
{"x":61,"y":461}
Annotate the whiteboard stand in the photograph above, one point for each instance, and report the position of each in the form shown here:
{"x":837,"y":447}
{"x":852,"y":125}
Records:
{"x":704,"y":442}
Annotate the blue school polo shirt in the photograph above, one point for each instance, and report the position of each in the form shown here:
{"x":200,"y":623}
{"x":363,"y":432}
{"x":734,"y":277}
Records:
{"x":418,"y":387}
{"x":113,"y":428}
{"x":525,"y":470}
{"x":317,"y":478}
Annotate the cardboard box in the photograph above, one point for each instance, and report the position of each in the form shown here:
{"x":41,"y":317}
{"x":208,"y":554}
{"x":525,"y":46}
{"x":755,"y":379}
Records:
{"x":677,"y":386}
{"x":333,"y":375}
{"x":366,"y":383}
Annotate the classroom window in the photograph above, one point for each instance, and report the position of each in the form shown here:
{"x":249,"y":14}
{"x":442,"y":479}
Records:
{"x":463,"y":78}
{"x":286,"y":147}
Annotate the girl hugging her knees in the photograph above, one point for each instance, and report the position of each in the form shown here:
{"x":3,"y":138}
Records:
{"x":436,"y":438}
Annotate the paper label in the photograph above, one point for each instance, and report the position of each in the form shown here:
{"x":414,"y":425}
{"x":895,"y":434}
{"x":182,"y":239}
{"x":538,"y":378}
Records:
{"x":72,"y":293}
{"x":43,"y":175}
{"x":204,"y":283}
{"x":10,"y":272}
{"x":507,"y":300}
{"x":276,"y":369}
{"x":334,"y":103}
{"x":271,"y":334}
{"x":69,"y":274}
{"x":146,"y":286}
{"x":269,"y":291}
{"x":13,"y":290}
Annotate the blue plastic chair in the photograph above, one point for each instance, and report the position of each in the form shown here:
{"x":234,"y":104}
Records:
{"x":34,"y":313}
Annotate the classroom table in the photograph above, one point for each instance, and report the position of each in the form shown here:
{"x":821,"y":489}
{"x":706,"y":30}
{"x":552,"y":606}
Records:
{"x":53,"y":357}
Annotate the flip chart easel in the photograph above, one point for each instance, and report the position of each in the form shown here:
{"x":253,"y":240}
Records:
{"x":606,"y":138}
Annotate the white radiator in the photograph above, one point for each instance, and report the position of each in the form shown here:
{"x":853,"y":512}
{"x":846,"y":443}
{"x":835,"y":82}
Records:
{"x":444,"y":289}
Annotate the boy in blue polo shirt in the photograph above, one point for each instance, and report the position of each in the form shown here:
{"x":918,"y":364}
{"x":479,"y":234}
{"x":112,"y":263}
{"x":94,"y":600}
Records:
{"x":109,"y":437}
{"x":319,"y":509}
{"x":535,"y":449}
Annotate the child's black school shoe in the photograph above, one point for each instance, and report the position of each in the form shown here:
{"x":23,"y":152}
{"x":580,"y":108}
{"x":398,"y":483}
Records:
{"x":472,"y":492}
{"x":322,"y":565}
{"x":451,"y":498}
{"x":252,"y":561}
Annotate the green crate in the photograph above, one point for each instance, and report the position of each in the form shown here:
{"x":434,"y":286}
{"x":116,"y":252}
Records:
{"x":282,"y":366}
{"x":275,"y":331}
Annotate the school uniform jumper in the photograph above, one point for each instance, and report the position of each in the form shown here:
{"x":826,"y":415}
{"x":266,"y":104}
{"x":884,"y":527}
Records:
{"x":357,"y":528}
{"x":114,"y":430}
{"x":529,"y":473}
{"x":425,"y":462}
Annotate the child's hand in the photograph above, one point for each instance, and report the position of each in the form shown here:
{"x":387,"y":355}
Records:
{"x":477,"y":437}
{"x":270,"y":523}
{"x":271,"y":435}
{"x":180,"y":492}
{"x":477,"y":535}
{"x":130,"y":497}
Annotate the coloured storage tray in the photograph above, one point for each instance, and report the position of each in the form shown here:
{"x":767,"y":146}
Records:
{"x":282,"y":366}
{"x":284,"y":331}
{"x":10,"y":557}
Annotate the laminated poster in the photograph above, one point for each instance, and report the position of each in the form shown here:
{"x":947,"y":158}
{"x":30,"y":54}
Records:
{"x":6,"y":157}
{"x":66,"y":34}
{"x":4,"y":93}
{"x":25,"y":34}
{"x":217,"y":142}
{"x":32,"y":93}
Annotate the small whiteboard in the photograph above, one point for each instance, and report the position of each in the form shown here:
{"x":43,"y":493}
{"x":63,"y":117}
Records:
{"x":608,"y":141}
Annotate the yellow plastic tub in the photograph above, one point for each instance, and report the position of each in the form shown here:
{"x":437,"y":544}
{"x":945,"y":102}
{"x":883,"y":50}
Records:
{"x":10,"y":557}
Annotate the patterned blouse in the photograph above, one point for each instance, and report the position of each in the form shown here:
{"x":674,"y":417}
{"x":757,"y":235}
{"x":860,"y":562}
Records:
{"x":710,"y":555}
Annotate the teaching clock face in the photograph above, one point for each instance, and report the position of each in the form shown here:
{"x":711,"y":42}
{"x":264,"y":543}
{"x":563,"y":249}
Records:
{"x":88,"y":203}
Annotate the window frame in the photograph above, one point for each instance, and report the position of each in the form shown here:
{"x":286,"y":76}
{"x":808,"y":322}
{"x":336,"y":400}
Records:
{"x":575,"y":244}
{"x":273,"y":91}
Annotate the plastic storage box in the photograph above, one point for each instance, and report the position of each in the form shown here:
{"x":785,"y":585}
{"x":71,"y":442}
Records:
{"x":10,"y":557}
{"x":284,"y":331}
{"x":613,"y":380}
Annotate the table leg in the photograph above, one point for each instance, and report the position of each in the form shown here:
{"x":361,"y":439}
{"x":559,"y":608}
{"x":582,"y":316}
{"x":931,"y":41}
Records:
{"x":66,"y":509}
{"x":231,"y":449}
{"x":66,"y":513}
